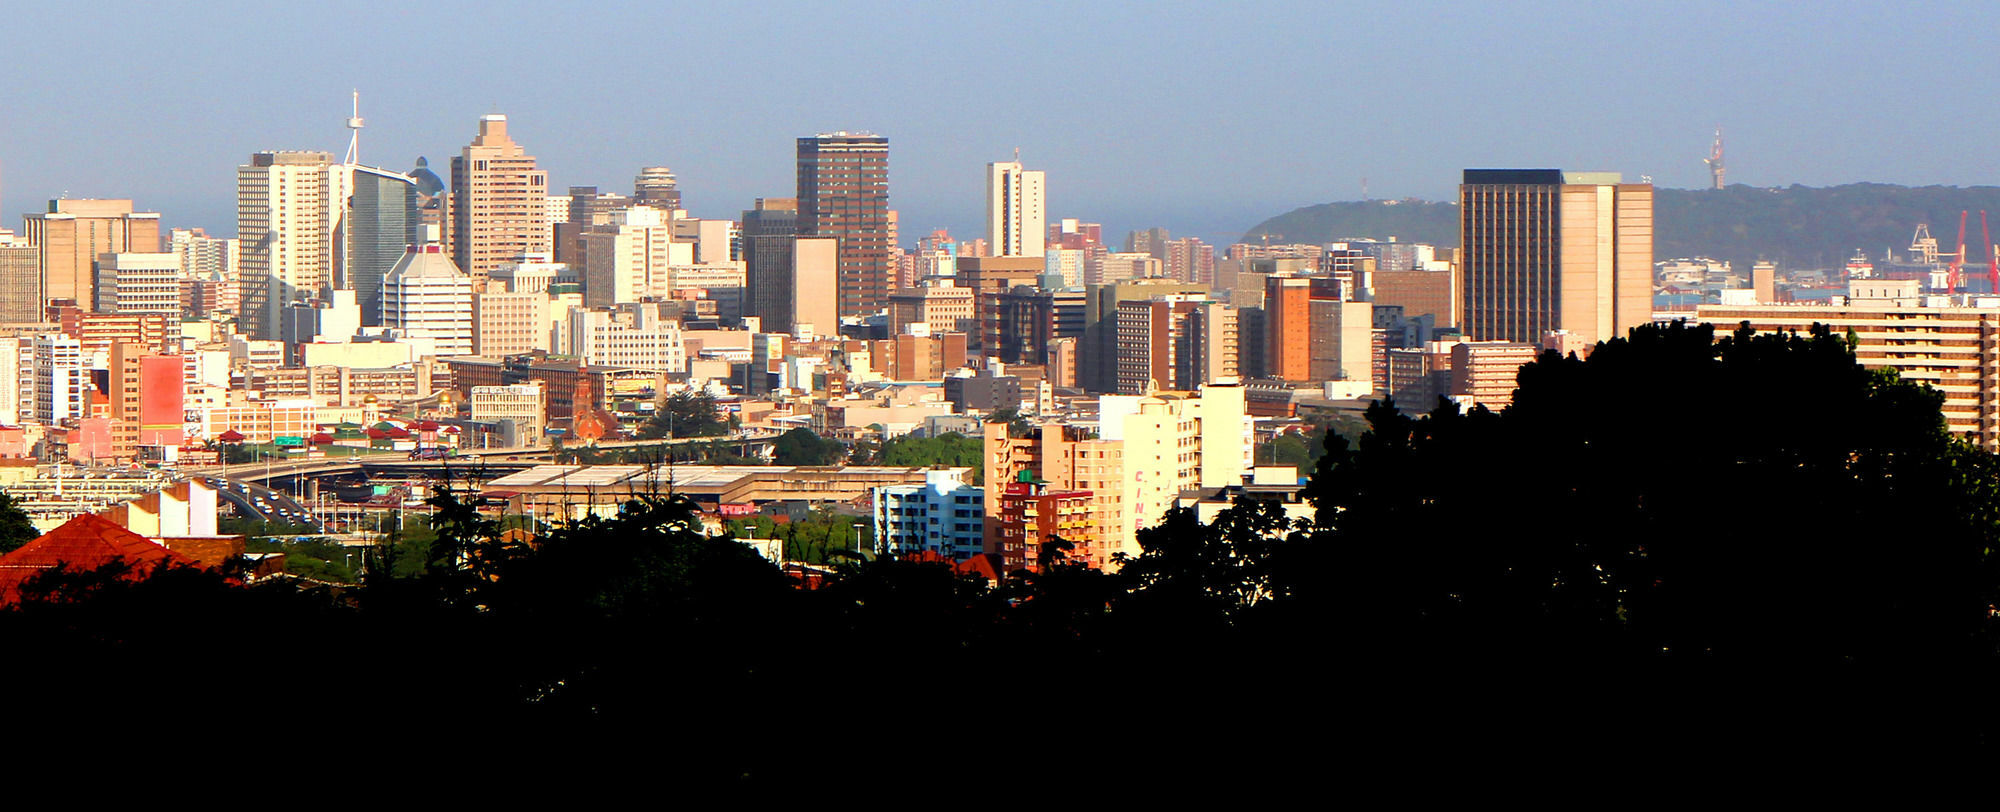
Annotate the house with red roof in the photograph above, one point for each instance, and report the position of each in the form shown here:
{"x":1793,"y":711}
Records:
{"x":83,"y":543}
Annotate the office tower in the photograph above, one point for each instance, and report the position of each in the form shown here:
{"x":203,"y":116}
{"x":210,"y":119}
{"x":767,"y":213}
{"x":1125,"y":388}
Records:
{"x":941,"y":307}
{"x":1016,"y":222}
{"x":843,"y":194}
{"x":1288,"y":328}
{"x":1031,"y":320}
{"x":509,"y":323}
{"x":586,"y":207}
{"x":499,"y":202}
{"x":1342,"y":345}
{"x":790,"y":280}
{"x":433,"y":201}
{"x":383,"y":219}
{"x":655,"y":186}
{"x":1098,"y":352}
{"x":1548,"y":250}
{"x":286,"y":204}
{"x":20,"y":283}
{"x":1152,"y":242}
{"x":628,"y":258}
{"x":72,"y":233}
{"x":211,"y":261}
{"x":1175,"y":342}
{"x":1419,"y":293}
{"x":426,"y":297}
{"x":139,"y":283}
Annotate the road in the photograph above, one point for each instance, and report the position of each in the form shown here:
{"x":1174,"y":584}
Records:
{"x":262,"y":503}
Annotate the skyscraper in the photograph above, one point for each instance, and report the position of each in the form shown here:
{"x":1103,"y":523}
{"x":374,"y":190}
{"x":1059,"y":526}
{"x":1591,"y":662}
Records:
{"x":1016,"y":220}
{"x":382,"y":220}
{"x":287,"y":205}
{"x":71,"y":234}
{"x":844,"y":194}
{"x":1549,"y":250}
{"x":655,"y":186}
{"x":499,"y":202}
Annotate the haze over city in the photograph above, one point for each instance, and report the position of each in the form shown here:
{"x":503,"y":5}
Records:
{"x":1205,"y":120}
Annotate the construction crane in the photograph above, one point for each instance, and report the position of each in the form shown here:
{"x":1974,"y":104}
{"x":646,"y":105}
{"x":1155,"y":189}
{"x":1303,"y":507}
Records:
{"x":1924,"y":245}
{"x":1714,"y":159}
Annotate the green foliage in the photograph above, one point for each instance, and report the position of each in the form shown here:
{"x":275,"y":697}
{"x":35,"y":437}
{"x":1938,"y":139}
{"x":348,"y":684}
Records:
{"x":801,"y":446}
{"x":15,"y":527}
{"x":689,"y":413}
{"x":948,"y":449}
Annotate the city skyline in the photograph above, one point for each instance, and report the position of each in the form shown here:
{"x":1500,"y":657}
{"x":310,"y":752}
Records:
{"x":1797,"y":104}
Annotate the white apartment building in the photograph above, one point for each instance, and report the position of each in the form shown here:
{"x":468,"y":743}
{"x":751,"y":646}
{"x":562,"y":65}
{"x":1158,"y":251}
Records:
{"x":943,"y":516}
{"x":1016,"y":218}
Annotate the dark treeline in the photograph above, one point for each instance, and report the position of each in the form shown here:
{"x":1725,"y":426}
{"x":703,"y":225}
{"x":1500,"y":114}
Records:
{"x":1679,"y":540}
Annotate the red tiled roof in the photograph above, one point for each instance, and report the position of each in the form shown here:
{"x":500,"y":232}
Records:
{"x":85,"y":542}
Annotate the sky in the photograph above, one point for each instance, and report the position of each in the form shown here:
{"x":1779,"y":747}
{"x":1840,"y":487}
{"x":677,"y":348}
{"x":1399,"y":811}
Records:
{"x":1202,"y":119}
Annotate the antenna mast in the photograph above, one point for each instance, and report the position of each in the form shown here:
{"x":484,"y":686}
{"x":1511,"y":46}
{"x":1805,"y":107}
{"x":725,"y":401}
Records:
{"x":354,"y":123}
{"x":1714,"y":159}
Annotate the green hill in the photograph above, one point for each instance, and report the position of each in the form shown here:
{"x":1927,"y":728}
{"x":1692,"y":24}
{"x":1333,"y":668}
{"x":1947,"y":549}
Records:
{"x":1799,"y":226}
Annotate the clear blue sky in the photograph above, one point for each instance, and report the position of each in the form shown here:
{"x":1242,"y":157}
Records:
{"x":1203,"y":119}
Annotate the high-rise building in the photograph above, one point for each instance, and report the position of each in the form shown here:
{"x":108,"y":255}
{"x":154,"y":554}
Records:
{"x":1175,"y":342}
{"x":1547,"y":250}
{"x":20,"y":284}
{"x":1152,"y":242}
{"x":1342,"y":343}
{"x":139,"y":283}
{"x":843,"y":193}
{"x":71,"y":235}
{"x":1288,"y":328}
{"x":287,"y":207}
{"x":627,"y":259}
{"x":499,"y":202}
{"x":655,"y":186}
{"x":382,"y":221}
{"x":941,"y":516}
{"x":1016,"y":218}
{"x":1148,"y":449}
{"x":212,"y":262}
{"x":1098,"y":353}
{"x":426,"y":297}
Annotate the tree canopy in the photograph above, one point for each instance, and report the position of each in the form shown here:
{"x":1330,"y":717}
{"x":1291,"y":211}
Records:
{"x":1675,"y":539}
{"x":688,"y":413}
{"x":801,"y":446}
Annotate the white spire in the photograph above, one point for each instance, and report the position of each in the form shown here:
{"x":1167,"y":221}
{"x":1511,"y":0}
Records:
{"x":354,"y":123}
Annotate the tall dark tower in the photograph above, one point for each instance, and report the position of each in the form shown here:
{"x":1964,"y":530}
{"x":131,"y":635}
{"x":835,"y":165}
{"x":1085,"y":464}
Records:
{"x":844,"y":194}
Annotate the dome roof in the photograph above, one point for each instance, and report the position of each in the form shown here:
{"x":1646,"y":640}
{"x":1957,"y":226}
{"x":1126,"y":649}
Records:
{"x":428,"y":183}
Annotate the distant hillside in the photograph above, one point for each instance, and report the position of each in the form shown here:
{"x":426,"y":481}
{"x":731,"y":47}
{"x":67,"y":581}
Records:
{"x":1799,"y":226}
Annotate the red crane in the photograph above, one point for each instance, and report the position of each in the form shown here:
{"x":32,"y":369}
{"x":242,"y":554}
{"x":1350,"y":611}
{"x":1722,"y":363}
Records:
{"x":1958,"y":259}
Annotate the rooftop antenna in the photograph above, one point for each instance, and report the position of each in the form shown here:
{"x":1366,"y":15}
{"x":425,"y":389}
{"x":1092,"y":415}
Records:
{"x":354,"y":123}
{"x":1017,"y":155}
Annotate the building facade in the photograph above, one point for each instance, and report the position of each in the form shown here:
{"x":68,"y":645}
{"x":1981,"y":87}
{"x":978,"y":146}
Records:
{"x":944,"y":516}
{"x":1016,"y":216}
{"x":499,"y":202}
{"x":843,"y":194}
{"x":1546,"y":250}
